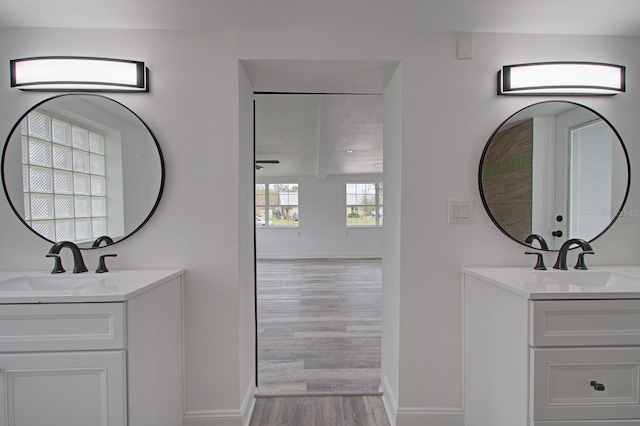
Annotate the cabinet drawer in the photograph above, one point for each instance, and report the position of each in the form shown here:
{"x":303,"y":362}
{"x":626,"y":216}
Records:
{"x":561,"y":383}
{"x":584,"y":323}
{"x":54,"y":327}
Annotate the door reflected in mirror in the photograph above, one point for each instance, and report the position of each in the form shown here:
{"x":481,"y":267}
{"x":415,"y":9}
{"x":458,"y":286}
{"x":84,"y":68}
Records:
{"x":82,"y":168}
{"x":555,"y":169}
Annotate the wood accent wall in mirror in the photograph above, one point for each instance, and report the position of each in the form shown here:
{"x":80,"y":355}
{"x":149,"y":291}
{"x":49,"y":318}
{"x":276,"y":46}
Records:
{"x":82,"y":168}
{"x":556,"y":169}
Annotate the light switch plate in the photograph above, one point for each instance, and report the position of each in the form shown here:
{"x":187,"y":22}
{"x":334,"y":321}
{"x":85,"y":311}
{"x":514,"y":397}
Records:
{"x":460,"y":211}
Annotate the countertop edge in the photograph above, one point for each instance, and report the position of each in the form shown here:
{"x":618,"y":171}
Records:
{"x":487,"y":274}
{"x":148,"y":283}
{"x":475,"y":272}
{"x":175,"y":274}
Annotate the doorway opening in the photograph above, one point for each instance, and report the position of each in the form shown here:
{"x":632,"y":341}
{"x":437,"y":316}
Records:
{"x":337,"y":77}
{"x":319,"y":217}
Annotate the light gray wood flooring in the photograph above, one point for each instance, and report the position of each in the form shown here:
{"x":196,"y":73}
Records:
{"x":319,"y":411}
{"x":319,"y":326}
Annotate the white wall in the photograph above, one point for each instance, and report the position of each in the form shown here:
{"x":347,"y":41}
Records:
{"x":246,"y":256}
{"x":391,"y":274}
{"x":449,"y":109}
{"x":322,"y":230}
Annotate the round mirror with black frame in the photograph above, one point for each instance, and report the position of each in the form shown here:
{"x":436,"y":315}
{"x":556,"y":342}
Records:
{"x":556,"y":170}
{"x":82,"y":168}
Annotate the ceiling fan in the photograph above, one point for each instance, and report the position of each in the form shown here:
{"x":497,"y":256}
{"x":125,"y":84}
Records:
{"x":258,"y":166}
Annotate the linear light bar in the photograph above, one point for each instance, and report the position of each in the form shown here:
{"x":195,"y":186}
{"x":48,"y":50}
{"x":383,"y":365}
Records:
{"x":84,"y":74}
{"x":561,"y":78}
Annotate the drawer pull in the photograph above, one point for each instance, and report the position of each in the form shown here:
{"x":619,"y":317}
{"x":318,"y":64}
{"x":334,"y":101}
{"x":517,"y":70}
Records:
{"x":597,"y":386}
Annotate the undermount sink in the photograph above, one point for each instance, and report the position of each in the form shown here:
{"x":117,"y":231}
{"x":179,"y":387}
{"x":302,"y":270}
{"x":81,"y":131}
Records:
{"x":55,"y":283}
{"x":589,"y":279}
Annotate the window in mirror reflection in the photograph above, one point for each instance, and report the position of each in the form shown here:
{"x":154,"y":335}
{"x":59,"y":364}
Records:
{"x":65,"y":178}
{"x":590,"y":178}
{"x":364,"y":204}
{"x":277,"y":205}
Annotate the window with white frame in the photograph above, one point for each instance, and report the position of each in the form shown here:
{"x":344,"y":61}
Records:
{"x":64,"y":179}
{"x":277,"y":205}
{"x":364,"y":204}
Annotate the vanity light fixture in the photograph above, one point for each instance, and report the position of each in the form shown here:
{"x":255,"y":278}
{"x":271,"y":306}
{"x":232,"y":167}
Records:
{"x":78,"y":74}
{"x":561,"y":78}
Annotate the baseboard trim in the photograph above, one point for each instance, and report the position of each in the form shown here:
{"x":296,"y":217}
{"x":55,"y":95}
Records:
{"x":249,"y":402}
{"x":213,"y":418}
{"x":410,"y":416}
{"x":240,"y":417}
{"x":389,"y":400}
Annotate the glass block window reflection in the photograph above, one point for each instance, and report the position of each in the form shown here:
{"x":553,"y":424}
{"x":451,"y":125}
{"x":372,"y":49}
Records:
{"x":63,"y":175}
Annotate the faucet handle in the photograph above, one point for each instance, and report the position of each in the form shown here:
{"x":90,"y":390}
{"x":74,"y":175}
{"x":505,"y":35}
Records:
{"x":580,"y":263}
{"x":57,"y":268}
{"x":102,"y":265}
{"x":540,"y":262}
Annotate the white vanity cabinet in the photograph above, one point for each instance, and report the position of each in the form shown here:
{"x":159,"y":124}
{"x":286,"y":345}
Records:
{"x":92,"y":362}
{"x":549,"y":358}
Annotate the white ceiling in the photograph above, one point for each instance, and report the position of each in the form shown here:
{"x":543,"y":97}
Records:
{"x":319,"y":135}
{"x":598,"y":17}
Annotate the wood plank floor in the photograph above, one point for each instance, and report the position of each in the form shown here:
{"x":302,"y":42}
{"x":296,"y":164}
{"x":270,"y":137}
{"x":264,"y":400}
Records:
{"x":319,"y":326}
{"x":319,"y":411}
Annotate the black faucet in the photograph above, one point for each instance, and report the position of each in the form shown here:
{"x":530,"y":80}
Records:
{"x":105,"y":238}
{"x":561,"y":262}
{"x":539,"y":238}
{"x":78,"y":262}
{"x":540,"y":262}
{"x":102,"y":264}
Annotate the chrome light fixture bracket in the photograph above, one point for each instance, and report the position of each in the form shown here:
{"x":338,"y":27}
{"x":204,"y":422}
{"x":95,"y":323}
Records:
{"x":78,"y":74}
{"x":561,"y":78}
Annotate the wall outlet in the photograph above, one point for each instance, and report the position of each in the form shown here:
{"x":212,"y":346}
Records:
{"x":460,"y":211}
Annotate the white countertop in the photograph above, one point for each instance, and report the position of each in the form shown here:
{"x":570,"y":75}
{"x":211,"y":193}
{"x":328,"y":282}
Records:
{"x":112,"y":286}
{"x":554,"y":284}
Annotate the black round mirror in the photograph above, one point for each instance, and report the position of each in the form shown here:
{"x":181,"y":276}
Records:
{"x":82,"y":168}
{"x":557,"y":170}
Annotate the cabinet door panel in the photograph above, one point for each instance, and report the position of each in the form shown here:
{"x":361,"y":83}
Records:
{"x":71,"y":388}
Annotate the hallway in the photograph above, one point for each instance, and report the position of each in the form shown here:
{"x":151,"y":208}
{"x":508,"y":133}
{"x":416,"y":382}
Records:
{"x":320,"y":411}
{"x":319,"y":326}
